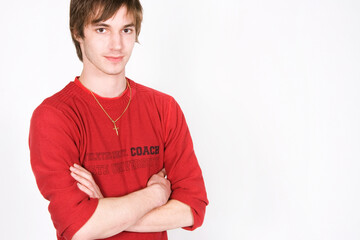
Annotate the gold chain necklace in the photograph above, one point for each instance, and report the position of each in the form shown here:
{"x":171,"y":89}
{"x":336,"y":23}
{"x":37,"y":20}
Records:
{"x":114,"y":121}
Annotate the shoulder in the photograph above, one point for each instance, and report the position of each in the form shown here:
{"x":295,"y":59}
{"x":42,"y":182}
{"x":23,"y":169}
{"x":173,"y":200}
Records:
{"x":150,"y":92}
{"x":55,"y":107}
{"x":168,"y":108}
{"x":151,"y":95}
{"x":60,"y":99}
{"x":55,"y":119}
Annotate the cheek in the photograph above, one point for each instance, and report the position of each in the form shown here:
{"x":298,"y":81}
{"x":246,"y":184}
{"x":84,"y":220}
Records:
{"x":130,"y":46}
{"x":93,"y":48}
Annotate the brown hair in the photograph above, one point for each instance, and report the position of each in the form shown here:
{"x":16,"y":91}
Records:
{"x":84,"y":12}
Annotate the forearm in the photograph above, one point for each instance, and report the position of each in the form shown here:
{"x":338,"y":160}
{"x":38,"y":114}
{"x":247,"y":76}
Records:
{"x":174,"y":214}
{"x":114,"y":215}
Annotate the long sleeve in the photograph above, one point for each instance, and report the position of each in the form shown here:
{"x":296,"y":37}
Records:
{"x":182,"y":166}
{"x":53,"y":146}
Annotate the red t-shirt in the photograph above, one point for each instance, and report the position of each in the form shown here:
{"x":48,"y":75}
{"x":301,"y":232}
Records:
{"x":70,"y":127}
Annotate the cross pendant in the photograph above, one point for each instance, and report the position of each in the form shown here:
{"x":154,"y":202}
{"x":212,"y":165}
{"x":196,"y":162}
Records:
{"x":116,"y":129}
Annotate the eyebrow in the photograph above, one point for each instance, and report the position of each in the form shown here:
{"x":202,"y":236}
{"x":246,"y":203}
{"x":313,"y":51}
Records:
{"x":129,"y":25}
{"x":100,"y":25}
{"x":107,"y":25}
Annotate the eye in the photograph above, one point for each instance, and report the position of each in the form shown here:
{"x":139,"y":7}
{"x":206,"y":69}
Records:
{"x":127,"y":30}
{"x":101,"y":30}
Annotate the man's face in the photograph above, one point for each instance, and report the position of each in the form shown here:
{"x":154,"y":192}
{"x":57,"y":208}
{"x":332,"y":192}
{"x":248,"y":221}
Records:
{"x":107,"y":46}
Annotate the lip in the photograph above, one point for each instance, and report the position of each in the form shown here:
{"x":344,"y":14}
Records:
{"x":114,"y":59}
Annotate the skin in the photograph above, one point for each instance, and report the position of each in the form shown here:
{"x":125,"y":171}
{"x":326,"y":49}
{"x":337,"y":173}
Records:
{"x":106,"y":49}
{"x":173,"y":214}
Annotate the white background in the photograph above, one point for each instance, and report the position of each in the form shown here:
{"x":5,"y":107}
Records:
{"x":270,"y":90}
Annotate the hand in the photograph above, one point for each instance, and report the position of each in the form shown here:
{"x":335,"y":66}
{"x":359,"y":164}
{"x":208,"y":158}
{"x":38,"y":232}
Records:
{"x":86,"y":182}
{"x":163,"y":184}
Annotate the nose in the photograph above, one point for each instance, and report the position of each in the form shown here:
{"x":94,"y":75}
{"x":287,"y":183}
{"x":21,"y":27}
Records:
{"x":116,"y":41}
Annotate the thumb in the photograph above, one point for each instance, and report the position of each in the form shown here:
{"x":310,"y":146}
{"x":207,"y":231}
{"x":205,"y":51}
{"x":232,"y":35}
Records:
{"x":162,"y":173}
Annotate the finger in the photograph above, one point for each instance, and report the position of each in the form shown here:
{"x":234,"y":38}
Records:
{"x":97,"y":192}
{"x":85,"y":190}
{"x":83,"y":181}
{"x":162,"y":173}
{"x":81,"y":168}
{"x":85,"y":178}
{"x":82,"y":172}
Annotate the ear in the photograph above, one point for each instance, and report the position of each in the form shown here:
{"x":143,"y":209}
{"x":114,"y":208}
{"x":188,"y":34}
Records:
{"x":77,"y":37}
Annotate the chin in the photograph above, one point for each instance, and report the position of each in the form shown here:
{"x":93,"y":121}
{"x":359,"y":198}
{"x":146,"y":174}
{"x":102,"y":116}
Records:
{"x":113,"y":73}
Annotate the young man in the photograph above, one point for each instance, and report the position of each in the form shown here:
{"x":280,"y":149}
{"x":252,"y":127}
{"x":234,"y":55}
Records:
{"x":114,"y":158}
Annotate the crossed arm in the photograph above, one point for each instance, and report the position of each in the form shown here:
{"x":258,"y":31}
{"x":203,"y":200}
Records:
{"x":146,"y":210}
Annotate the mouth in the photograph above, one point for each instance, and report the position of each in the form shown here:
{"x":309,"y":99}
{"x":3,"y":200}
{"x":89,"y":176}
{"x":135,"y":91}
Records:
{"x":114,"y":59}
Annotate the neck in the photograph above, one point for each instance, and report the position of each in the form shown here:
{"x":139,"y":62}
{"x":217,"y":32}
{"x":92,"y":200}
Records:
{"x":104,"y":85}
